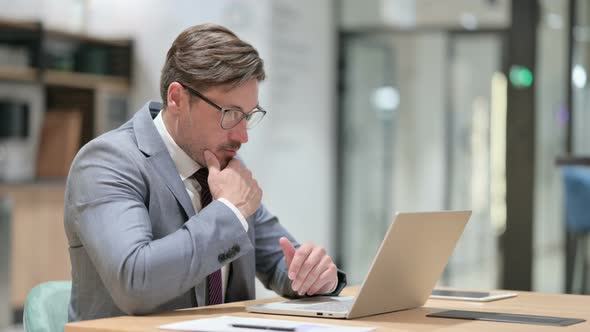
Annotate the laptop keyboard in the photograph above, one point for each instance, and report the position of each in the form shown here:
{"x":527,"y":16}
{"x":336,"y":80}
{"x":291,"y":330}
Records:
{"x":335,"y":306}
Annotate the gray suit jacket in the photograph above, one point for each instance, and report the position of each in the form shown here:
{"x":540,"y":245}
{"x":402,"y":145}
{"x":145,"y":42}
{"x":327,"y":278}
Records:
{"x":137,"y":246}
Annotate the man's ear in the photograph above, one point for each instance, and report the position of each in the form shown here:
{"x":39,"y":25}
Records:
{"x":175,"y":97}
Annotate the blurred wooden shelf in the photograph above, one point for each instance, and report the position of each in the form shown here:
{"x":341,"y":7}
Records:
{"x":109,"y":58}
{"x":63,"y":78}
{"x":21,"y":25}
{"x":86,"y":81}
{"x":21,"y":74}
{"x":58,"y":34}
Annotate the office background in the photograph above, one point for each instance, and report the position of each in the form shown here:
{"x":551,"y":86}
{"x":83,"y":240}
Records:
{"x":375,"y":106}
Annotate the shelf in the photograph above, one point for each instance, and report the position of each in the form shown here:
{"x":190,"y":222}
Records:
{"x":20,"y":25}
{"x":21,"y":74}
{"x":85,"y":81}
{"x":63,"y":78}
{"x":86,"y":38}
{"x":102,"y":63}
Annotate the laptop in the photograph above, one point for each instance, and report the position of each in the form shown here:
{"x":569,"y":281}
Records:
{"x":407,"y":266}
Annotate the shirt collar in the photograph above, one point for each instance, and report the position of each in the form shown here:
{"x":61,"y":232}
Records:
{"x":185,"y":165}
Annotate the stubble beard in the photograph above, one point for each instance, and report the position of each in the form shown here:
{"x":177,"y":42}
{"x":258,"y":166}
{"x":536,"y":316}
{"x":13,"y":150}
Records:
{"x":198,"y":154}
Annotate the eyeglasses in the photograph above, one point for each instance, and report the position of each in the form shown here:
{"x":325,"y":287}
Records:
{"x":231,"y":117}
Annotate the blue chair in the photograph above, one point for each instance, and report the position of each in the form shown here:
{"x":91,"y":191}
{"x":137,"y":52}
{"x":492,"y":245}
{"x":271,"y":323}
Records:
{"x":46,"y":307}
{"x":577,"y":210}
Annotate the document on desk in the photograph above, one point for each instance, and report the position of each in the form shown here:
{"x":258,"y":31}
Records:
{"x":244,"y":324}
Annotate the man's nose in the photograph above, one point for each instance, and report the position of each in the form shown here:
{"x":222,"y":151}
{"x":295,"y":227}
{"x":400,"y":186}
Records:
{"x":240,"y":132}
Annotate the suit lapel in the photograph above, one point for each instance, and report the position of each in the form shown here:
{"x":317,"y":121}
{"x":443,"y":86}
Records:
{"x":151,"y":144}
{"x":164,"y":166}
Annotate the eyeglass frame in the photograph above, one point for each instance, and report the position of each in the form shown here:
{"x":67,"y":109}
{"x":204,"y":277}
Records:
{"x":223,"y":110}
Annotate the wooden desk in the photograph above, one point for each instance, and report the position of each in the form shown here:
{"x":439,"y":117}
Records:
{"x":573,"y":306}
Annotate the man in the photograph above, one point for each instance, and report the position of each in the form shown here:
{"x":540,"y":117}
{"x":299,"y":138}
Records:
{"x":160,"y":214}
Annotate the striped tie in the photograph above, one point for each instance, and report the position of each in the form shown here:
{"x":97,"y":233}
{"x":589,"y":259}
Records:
{"x":214,"y":279}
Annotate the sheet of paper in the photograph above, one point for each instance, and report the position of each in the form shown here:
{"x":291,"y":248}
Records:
{"x":227,"y":324}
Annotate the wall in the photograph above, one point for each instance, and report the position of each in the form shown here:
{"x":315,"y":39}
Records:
{"x":420,"y":165}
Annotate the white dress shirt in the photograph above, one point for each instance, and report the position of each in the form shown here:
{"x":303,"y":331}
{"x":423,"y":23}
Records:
{"x":186,"y":167}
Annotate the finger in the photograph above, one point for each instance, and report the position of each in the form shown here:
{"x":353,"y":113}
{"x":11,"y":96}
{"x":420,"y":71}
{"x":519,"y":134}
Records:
{"x":312,"y":260}
{"x":326,"y":281}
{"x":288,"y":250}
{"x":319,"y":286}
{"x":314,"y":274}
{"x":212,"y":162}
{"x":300,"y":257}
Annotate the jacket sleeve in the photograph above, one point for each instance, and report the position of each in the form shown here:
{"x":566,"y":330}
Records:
{"x":271,"y":267}
{"x":107,"y":198}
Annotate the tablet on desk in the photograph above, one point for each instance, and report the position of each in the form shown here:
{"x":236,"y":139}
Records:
{"x":460,"y":295}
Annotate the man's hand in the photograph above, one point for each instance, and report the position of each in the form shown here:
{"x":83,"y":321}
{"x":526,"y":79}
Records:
{"x":310,"y":268}
{"x":234,"y":183}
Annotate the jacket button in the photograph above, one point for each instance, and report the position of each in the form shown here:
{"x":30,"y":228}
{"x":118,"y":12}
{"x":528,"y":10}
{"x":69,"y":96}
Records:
{"x":221,"y":258}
